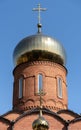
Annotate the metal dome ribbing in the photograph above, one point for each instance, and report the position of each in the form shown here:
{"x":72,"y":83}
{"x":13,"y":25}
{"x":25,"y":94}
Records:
{"x":50,"y":49}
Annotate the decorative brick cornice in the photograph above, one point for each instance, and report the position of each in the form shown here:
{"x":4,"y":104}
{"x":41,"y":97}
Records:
{"x":25,"y":107}
{"x":46,"y":63}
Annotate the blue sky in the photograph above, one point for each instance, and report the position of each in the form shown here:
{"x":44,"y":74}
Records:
{"x":62,"y":20}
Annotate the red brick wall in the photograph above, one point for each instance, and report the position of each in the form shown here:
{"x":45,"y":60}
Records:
{"x":75,"y":126}
{"x":3,"y":126}
{"x":50,"y":72}
{"x":26,"y":123}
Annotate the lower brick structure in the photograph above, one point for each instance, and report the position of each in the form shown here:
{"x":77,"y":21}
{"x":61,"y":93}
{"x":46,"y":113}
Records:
{"x":61,"y":120}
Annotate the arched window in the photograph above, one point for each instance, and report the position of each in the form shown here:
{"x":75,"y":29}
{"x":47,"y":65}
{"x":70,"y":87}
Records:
{"x":40,"y":82}
{"x":59,"y":83}
{"x":20,"y":87}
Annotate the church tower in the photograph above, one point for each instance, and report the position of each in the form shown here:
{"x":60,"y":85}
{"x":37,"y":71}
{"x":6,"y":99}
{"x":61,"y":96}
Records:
{"x":39,"y":66}
{"x":40,"y":89}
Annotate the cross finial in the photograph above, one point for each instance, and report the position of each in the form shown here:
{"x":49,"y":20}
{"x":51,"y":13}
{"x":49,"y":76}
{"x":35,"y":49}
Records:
{"x":41,"y":93}
{"x":39,"y":9}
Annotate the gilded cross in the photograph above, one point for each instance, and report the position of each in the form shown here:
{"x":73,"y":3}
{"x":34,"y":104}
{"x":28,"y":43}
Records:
{"x":39,"y":9}
{"x":41,"y":93}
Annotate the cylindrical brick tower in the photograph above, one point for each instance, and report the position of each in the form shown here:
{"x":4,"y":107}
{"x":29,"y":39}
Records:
{"x":39,"y":65}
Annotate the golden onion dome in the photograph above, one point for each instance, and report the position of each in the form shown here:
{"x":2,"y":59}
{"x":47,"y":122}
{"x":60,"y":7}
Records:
{"x":39,"y":47}
{"x":40,"y":123}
